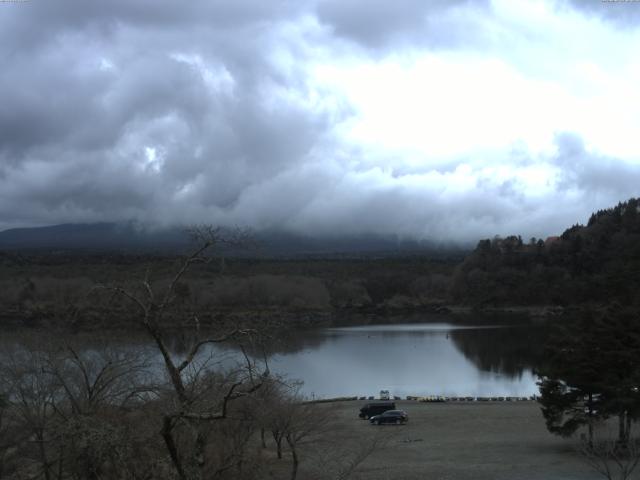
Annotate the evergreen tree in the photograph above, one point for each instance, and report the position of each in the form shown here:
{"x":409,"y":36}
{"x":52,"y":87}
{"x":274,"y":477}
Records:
{"x":570,"y":391}
{"x":618,"y":353}
{"x":592,"y":373}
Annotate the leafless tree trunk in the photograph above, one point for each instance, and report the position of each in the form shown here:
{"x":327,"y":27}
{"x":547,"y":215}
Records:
{"x":294,"y":456}
{"x":153,"y":308}
{"x":262,"y":440}
{"x":295,"y":422}
{"x":277,"y":437}
{"x":591,"y":414}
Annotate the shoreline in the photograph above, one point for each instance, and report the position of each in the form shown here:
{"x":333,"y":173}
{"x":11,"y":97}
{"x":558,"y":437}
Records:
{"x":92,"y":320}
{"x":428,"y":399}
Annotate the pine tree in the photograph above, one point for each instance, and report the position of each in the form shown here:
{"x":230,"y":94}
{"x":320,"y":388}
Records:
{"x":570,"y":390}
{"x":593,"y":373}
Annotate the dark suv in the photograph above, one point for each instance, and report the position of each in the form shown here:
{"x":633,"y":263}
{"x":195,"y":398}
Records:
{"x":390,"y":416}
{"x":376,"y":408}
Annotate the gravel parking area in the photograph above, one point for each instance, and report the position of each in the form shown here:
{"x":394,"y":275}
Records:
{"x":467,"y":440}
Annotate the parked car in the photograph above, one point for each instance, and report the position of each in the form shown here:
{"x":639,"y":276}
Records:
{"x":376,"y":408}
{"x":390,"y":416}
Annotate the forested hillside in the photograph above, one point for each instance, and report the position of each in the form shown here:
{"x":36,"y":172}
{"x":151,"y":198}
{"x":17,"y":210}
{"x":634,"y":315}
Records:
{"x":596,"y":263}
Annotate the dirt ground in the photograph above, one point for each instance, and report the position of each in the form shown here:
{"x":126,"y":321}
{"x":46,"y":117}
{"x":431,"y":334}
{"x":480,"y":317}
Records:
{"x":452,"y":441}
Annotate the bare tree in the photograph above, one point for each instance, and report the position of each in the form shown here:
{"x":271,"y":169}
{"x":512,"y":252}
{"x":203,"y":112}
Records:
{"x":8,"y":434}
{"x":32,"y":398}
{"x":99,"y":378}
{"x":96,"y":386}
{"x":196,"y":398}
{"x":233,"y":452}
{"x":64,"y":412}
{"x":306,"y":429}
{"x":612,"y":459}
{"x":304,"y":422}
{"x":289,"y":418}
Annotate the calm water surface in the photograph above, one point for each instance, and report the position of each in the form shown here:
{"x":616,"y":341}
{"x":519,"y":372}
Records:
{"x":413,"y":359}
{"x":434,"y":358}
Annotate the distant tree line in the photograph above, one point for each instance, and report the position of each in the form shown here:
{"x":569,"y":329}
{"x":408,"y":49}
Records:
{"x":596,"y":263}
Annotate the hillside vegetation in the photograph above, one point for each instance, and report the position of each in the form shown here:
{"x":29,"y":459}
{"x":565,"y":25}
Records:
{"x":596,"y":263}
{"x":593,"y":264}
{"x":49,"y":289}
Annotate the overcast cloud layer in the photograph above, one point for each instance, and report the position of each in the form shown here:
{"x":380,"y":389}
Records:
{"x":440,"y":119}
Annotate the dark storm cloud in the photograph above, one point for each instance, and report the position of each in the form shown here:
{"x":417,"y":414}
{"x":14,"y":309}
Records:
{"x":594,"y":173}
{"x":204,"y":111}
{"x":89,"y":89}
{"x":49,"y":91}
{"x":379,"y":23}
{"x":36,"y":22}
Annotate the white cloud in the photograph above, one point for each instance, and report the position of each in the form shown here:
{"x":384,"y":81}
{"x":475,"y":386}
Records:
{"x":439,"y":119}
{"x":424,"y":106}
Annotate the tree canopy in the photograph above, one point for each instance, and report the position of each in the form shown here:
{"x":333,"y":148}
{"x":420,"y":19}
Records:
{"x":598,"y":262}
{"x":592,"y":372}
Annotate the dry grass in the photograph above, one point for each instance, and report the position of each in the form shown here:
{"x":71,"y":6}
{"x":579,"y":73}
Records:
{"x":492,"y":441}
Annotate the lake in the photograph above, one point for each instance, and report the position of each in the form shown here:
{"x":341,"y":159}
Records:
{"x":437,"y":357}
{"x":413,"y":359}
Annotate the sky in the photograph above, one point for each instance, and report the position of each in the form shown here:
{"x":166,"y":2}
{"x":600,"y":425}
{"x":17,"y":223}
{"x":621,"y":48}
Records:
{"x":445,"y":120}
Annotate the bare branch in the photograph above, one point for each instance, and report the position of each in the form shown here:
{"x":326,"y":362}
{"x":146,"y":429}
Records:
{"x":196,"y":348}
{"x":611,"y":459}
{"x":195,"y":257}
{"x":126,"y":294}
{"x":147,"y":285}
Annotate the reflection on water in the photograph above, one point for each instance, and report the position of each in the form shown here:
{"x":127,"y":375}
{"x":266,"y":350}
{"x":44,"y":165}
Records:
{"x":414,"y":359}
{"x":507,"y":350}
{"x":406,"y":358}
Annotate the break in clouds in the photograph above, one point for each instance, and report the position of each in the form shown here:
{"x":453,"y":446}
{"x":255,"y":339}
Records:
{"x":428,"y":119}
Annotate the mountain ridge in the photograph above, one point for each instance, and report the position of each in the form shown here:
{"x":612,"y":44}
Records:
{"x":131,"y":237}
